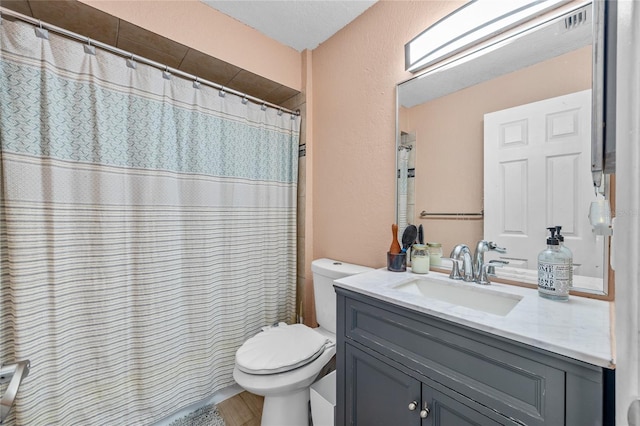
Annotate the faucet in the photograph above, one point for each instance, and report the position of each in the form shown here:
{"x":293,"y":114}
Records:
{"x":461,"y":250}
{"x":479,"y":267}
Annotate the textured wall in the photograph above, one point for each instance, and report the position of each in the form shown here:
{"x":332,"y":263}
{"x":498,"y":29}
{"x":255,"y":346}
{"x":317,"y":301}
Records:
{"x":354,"y":77}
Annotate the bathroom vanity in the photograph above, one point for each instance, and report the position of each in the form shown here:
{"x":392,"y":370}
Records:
{"x":426,"y":350}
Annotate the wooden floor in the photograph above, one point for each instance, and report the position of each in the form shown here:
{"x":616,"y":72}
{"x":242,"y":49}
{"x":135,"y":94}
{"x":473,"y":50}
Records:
{"x":244,"y":409}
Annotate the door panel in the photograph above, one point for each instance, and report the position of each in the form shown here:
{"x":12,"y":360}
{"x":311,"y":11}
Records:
{"x":514,"y":181}
{"x":537,"y":173}
{"x":447,"y":411}
{"x":378,"y":394}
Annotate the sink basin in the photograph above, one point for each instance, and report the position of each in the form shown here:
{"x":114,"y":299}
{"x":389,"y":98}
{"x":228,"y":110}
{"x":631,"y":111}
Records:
{"x":479,"y":299}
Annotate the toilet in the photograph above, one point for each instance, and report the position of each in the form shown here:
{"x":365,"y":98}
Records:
{"x":282,"y":361}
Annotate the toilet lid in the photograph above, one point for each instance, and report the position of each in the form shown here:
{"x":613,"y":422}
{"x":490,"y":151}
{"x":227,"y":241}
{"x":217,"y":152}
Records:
{"x":279,"y":349}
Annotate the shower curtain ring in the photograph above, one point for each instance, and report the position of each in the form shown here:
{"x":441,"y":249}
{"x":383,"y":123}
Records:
{"x":166,"y":74}
{"x":196,"y":83}
{"x":263,"y":107}
{"x":131,"y":63}
{"x":222,"y":93}
{"x":245,"y":100}
{"x":280,"y":111}
{"x":41,"y":32}
{"x":88,"y":48}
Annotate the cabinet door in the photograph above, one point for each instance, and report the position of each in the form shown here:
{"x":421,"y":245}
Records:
{"x":444,"y":410}
{"x":378,"y":394}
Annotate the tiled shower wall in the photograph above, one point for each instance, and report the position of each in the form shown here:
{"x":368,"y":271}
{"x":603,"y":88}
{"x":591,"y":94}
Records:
{"x":299,"y":102}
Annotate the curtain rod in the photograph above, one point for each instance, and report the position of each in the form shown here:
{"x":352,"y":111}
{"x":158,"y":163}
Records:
{"x":129,"y":55}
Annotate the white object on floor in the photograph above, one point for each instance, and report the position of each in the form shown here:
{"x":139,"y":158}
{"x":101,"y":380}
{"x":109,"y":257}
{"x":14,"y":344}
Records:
{"x":323,"y":400}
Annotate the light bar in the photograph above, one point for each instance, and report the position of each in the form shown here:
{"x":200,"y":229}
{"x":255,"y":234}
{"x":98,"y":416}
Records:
{"x":471,"y":24}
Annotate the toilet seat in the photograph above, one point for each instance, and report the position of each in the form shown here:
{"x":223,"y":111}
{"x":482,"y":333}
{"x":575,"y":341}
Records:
{"x":280,"y":348}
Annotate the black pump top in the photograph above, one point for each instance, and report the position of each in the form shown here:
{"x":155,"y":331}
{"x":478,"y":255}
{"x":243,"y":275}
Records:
{"x":559,"y":236}
{"x":552,"y":241}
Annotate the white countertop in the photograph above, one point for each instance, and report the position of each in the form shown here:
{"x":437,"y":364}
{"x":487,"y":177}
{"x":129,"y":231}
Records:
{"x":579,"y":328}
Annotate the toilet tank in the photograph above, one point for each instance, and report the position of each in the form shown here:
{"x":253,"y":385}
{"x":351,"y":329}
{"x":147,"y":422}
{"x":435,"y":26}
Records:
{"x":324,"y":272}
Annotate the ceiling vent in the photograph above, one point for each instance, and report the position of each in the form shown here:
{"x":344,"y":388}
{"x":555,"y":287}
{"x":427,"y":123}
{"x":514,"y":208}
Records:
{"x":576,"y":19}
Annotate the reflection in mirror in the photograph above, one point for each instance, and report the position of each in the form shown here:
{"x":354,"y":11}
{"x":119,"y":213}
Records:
{"x":499,"y":142}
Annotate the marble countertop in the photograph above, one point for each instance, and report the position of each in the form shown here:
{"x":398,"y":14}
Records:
{"x":579,"y":328}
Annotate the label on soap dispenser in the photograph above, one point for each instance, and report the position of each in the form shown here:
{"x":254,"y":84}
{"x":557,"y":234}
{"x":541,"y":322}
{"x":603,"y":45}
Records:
{"x":554,"y":278}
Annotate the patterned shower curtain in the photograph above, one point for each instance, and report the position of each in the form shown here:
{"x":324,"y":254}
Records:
{"x":147,"y":229}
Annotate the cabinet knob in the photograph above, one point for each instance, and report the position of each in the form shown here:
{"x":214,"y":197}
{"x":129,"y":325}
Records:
{"x":424,"y":412}
{"x":413,"y":405}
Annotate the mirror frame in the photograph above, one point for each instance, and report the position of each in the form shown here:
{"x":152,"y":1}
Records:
{"x":603,"y":111}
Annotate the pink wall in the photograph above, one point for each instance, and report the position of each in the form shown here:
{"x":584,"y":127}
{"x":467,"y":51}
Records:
{"x":354,"y":77}
{"x":201,"y":27}
{"x":449,"y":130}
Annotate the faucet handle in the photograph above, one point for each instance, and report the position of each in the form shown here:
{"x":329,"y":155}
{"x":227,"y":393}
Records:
{"x":493,"y":246}
{"x":489,"y":269}
{"x":491,"y":266}
{"x":455,"y":268}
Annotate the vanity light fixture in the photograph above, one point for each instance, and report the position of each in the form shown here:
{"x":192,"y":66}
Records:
{"x":475,"y":22}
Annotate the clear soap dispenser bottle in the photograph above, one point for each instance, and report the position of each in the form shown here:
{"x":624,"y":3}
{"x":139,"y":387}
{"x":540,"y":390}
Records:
{"x":567,"y":251}
{"x":554,"y":270}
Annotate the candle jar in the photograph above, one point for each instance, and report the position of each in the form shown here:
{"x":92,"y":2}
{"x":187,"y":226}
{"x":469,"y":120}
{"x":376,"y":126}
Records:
{"x":435,"y":253}
{"x":420,"y":259}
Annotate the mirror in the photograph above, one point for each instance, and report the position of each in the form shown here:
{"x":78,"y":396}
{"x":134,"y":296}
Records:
{"x":495,"y":144}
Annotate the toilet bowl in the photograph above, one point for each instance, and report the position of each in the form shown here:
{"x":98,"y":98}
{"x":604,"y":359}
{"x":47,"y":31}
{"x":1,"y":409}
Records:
{"x":282,"y":361}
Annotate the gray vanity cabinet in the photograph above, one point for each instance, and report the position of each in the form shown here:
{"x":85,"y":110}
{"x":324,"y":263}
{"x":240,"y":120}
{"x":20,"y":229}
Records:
{"x":383,"y":395}
{"x":389,"y":357}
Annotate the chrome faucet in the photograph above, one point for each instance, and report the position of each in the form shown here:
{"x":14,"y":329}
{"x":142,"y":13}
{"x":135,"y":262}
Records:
{"x":479,"y":267}
{"x":461,"y":250}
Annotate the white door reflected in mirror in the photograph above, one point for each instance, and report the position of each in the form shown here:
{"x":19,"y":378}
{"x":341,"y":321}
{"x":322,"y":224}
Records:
{"x":537,"y":174}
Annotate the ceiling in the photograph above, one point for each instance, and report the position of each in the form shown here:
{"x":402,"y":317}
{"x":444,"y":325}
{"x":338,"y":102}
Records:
{"x":301,"y":24}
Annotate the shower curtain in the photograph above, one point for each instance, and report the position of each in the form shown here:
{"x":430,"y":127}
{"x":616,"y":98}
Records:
{"x":147,"y":229}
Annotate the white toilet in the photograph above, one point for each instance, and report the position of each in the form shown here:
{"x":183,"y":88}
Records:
{"x":281,"y":362}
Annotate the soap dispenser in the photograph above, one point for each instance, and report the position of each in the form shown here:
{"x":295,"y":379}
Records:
{"x":554,"y":270}
{"x":567,"y":251}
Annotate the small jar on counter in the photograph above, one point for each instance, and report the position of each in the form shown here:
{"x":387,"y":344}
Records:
{"x":420,"y":259}
{"x":435,"y":253}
